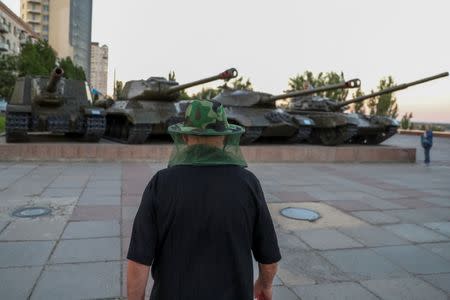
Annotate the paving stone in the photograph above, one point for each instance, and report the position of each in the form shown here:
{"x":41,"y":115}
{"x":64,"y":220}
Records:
{"x":363,"y":264}
{"x":17,"y":254}
{"x":403,"y":289}
{"x":351,"y":205}
{"x":34,"y":229}
{"x":376,"y":217}
{"x":62,"y":192}
{"x":92,"y":199}
{"x":131,"y":200}
{"x":415,"y":233}
{"x":444,"y":201}
{"x":86,"y":250}
{"x":372,"y":236}
{"x":416,"y":216}
{"x":79,"y":281}
{"x":3,"y":225}
{"x":91,"y":229}
{"x":288,"y":240}
{"x":411,"y":202}
{"x":96,"y":212}
{"x":415,"y":259}
{"x":335,"y":291}
{"x":382,"y":204}
{"x":16,"y":283}
{"x":297,"y":196}
{"x":307,"y":267}
{"x":441,"y":249}
{"x":440,"y":281}
{"x":129,"y":212}
{"x":439,"y":227}
{"x":106,"y":191}
{"x":324,"y":239}
{"x":283,"y":293}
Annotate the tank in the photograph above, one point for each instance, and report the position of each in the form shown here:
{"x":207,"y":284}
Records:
{"x":373,"y":130}
{"x":53,"y":104}
{"x":147,"y":107}
{"x":257,"y":113}
{"x":330,"y":127}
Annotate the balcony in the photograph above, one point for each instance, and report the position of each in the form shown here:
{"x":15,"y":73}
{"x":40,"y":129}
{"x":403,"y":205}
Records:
{"x":3,"y":28}
{"x":4,"y":47}
{"x":36,"y":10}
{"x":38,"y":2}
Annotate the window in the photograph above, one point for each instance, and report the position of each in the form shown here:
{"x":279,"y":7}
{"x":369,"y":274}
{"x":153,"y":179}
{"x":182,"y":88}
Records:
{"x":45,"y":18}
{"x":45,"y":8}
{"x":45,"y":28}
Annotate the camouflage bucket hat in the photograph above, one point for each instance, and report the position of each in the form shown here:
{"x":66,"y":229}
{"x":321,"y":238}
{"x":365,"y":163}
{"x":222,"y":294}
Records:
{"x":205,"y":117}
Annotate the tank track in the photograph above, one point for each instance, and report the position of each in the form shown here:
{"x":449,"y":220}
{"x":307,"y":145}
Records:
{"x":95,"y":128}
{"x":250,"y":135}
{"x":301,"y":135}
{"x":333,"y":136}
{"x":17,"y":125}
{"x":381,"y":137}
{"x":122,"y":131}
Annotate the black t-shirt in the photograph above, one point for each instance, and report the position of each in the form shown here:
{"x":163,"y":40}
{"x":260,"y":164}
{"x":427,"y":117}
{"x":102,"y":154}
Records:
{"x":197,"y":226}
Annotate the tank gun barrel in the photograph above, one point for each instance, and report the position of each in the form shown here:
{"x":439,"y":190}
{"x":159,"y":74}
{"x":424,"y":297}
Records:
{"x":226,"y":75}
{"x":391,"y":90}
{"x":55,"y":77}
{"x":353,"y":83}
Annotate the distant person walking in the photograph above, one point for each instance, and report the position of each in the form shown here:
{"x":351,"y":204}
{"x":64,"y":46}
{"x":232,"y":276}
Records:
{"x":427,"y":142}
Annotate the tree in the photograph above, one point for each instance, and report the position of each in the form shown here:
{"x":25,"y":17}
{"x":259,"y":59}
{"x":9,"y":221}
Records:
{"x":358,"y":107}
{"x":8,"y":70}
{"x":405,"y":123}
{"x":72,"y":71}
{"x":241,"y":84}
{"x":36,"y":59}
{"x":308,"y":79}
{"x":386,"y":104}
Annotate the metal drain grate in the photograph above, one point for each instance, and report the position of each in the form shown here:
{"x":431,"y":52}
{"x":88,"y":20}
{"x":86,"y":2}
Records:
{"x":300,"y":214}
{"x":31,"y":212}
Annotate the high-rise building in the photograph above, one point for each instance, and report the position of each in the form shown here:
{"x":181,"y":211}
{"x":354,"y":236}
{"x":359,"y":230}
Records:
{"x":99,"y":67}
{"x":14,"y":32}
{"x":36,"y":13}
{"x":66,"y":24}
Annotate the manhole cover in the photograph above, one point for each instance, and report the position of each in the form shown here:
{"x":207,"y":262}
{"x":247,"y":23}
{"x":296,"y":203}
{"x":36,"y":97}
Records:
{"x":31,"y":212}
{"x":300,"y":214}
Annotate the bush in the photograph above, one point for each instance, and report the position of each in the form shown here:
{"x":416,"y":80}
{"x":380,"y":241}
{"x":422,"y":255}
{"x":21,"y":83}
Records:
{"x":2,"y":123}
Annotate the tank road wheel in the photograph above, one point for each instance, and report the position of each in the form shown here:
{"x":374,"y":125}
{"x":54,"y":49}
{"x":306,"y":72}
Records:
{"x":381,"y":137}
{"x":301,"y":135}
{"x":95,"y":128}
{"x":17,"y":127}
{"x":250,"y":135}
{"x":137,"y":134}
{"x":333,"y":136}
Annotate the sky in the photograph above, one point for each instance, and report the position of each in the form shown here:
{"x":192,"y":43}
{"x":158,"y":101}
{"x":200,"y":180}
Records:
{"x":271,"y":41}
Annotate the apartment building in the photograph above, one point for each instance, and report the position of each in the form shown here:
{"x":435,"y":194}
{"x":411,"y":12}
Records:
{"x":99,"y":68}
{"x":14,"y":32}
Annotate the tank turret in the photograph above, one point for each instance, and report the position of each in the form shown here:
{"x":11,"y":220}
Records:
{"x":317,"y":103}
{"x":162,"y":89}
{"x":247,"y":98}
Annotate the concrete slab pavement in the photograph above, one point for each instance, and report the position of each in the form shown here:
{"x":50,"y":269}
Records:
{"x":368,"y":243}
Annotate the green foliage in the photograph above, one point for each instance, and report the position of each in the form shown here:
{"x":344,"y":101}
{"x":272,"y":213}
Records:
{"x":386,"y":104}
{"x":241,"y":84}
{"x":172,"y":76}
{"x":72,"y":71}
{"x":2,"y":123}
{"x":308,"y":79}
{"x":358,"y":107}
{"x":118,"y":88}
{"x":206,"y":93}
{"x":8,"y":70}
{"x":405,"y":122}
{"x":36,"y":59}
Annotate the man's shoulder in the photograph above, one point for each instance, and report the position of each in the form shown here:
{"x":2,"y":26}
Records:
{"x":231,"y":170}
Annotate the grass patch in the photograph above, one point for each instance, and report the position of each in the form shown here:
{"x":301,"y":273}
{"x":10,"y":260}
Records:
{"x":2,"y":123}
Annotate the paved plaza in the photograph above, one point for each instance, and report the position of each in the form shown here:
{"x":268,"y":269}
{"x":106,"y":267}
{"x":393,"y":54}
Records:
{"x":384,"y":231}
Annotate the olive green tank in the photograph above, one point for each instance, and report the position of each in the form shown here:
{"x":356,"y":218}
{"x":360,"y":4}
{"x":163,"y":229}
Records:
{"x":147,"y":107}
{"x":53,"y":104}
{"x":257,"y":113}
{"x":373,"y":130}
